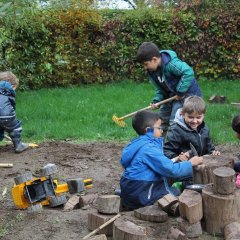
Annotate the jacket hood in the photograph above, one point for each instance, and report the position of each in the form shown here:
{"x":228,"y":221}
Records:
{"x":136,"y":144}
{"x":7,"y":89}
{"x":167,"y":56}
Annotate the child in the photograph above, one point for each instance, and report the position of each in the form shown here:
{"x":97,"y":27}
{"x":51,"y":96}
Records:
{"x":8,"y":120}
{"x":236,"y":128}
{"x":146,"y":169}
{"x":170,"y":75}
{"x":189,"y":127}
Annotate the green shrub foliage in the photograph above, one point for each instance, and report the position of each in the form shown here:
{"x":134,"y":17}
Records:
{"x":74,"y":46}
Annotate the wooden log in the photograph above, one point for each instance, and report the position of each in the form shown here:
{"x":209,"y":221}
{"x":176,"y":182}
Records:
{"x":191,"y":230}
{"x":87,"y":200}
{"x":98,"y":237}
{"x":96,"y":219}
{"x":190,"y":206}
{"x":6,"y":165}
{"x":232,"y":231}
{"x":126,"y":230}
{"x":151,"y":213}
{"x":219,"y":210}
{"x":203,"y":174}
{"x":167,"y":201}
{"x":72,"y":203}
{"x":224,"y":180}
{"x":108,"y":204}
{"x":176,"y":234}
{"x":104,"y":225}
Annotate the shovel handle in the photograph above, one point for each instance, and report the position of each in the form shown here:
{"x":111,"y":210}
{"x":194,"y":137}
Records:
{"x":149,"y":107}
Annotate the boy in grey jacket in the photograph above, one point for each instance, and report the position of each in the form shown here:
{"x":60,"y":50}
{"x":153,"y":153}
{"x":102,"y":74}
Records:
{"x":8,"y":121}
{"x":189,"y":127}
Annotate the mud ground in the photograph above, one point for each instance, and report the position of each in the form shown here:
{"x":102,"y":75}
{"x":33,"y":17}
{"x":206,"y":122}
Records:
{"x":99,"y":161}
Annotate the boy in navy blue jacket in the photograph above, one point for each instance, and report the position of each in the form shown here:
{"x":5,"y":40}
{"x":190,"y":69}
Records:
{"x":236,"y":129}
{"x":8,"y":121}
{"x":146,"y":169}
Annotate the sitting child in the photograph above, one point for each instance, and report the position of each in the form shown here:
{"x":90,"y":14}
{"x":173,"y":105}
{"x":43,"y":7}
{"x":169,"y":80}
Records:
{"x":236,"y":129}
{"x":189,"y":128}
{"x":146,"y":169}
{"x":8,"y":121}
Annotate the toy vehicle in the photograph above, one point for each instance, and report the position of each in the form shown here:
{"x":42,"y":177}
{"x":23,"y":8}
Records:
{"x":31,"y":193}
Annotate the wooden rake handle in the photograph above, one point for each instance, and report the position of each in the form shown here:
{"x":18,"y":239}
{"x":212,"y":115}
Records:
{"x":149,"y":107}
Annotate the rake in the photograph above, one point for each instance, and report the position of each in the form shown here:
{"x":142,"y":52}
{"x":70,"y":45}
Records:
{"x":120,"y":121}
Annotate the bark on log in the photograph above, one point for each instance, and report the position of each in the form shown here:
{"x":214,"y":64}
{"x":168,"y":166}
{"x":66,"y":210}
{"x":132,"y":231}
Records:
{"x":87,"y":200}
{"x":151,"y":213}
{"x":108,"y":204}
{"x":232,"y":231}
{"x":126,"y":230}
{"x":224,"y":180}
{"x":190,"y":206}
{"x":96,"y":219}
{"x":219,"y":210}
{"x":203,"y":173}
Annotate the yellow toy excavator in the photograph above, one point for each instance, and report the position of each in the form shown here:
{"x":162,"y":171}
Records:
{"x":32,"y":193}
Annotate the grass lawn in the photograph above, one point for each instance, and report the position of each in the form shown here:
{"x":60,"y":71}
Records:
{"x":85,"y":113}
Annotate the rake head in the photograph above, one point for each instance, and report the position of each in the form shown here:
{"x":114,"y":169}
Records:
{"x":119,"y":121}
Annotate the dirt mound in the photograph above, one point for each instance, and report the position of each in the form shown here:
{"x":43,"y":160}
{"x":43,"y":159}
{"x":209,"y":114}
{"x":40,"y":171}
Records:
{"x":99,"y":161}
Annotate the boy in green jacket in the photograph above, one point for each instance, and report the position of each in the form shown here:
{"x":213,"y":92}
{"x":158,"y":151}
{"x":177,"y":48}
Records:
{"x":170,"y":76}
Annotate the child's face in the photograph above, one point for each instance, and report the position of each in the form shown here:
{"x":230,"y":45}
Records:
{"x":152,"y":64}
{"x":157,"y":129}
{"x":193,"y":120}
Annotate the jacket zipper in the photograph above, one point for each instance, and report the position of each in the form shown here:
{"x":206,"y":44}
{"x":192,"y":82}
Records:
{"x":200,"y":138}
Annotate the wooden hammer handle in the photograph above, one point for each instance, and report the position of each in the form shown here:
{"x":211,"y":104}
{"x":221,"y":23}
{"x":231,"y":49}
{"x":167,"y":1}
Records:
{"x":6,"y":165}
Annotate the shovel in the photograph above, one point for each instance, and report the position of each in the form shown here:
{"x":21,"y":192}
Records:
{"x":120,"y":121}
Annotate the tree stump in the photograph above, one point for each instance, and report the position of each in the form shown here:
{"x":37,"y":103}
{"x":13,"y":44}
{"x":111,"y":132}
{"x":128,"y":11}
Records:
{"x":176,"y":234}
{"x":96,"y":219}
{"x":219,"y":210}
{"x":108,"y":204}
{"x":151,"y":213}
{"x":190,"y":206}
{"x":191,"y":230}
{"x":203,"y":174}
{"x":126,"y":230}
{"x":224,"y":180}
{"x":232,"y":231}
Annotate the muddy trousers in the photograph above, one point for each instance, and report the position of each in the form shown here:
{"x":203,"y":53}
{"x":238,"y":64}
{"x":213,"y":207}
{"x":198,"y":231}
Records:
{"x":14,"y":128}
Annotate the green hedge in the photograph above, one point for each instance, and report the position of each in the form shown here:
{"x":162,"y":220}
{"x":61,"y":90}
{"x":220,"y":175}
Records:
{"x":74,"y":46}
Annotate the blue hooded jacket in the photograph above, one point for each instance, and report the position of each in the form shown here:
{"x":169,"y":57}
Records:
{"x":146,"y":170}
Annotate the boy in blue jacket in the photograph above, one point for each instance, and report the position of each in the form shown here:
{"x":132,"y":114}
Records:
{"x":170,"y":76}
{"x":8,"y":121}
{"x":236,"y":129}
{"x":146,"y":168}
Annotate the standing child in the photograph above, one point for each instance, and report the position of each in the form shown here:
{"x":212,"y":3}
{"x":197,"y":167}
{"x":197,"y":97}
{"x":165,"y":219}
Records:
{"x":8,"y":121}
{"x":170,"y":76}
{"x":189,"y":128}
{"x":146,"y":169}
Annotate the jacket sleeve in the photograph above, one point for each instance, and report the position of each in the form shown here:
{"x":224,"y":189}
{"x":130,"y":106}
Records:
{"x":183,"y":70}
{"x":165,"y":167}
{"x":158,"y":92}
{"x":172,"y":145}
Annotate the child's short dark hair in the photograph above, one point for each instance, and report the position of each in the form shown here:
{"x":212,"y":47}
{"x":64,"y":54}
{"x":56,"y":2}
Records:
{"x":147,"y":51}
{"x":194,"y":104}
{"x":144,"y":119}
{"x":236,"y":124}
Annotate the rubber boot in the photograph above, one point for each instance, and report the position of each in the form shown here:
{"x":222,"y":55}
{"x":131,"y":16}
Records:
{"x":19,"y":146}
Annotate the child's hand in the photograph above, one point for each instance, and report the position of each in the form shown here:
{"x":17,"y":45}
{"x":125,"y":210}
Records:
{"x":216,"y":153}
{"x":196,"y":160}
{"x":183,"y":156}
{"x":154,"y":106}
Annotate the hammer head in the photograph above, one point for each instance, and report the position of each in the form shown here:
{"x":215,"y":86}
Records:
{"x":193,"y":152}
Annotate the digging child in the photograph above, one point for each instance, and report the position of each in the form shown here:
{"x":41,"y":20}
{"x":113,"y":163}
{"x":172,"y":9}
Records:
{"x":236,"y":129}
{"x":8,"y":119}
{"x":170,"y":76}
{"x":146,"y":168}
